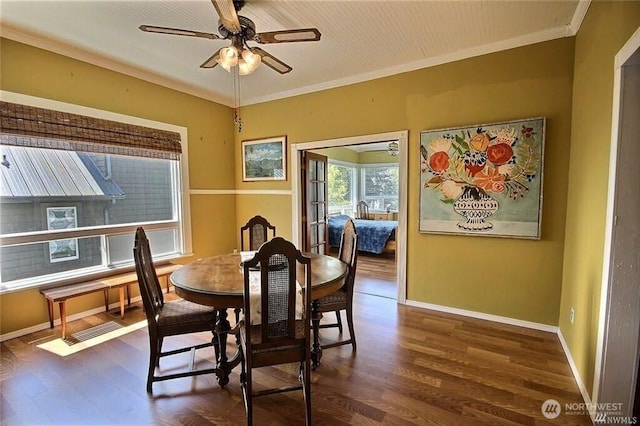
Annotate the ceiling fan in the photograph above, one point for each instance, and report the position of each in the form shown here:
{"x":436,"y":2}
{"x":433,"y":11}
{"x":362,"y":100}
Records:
{"x":240,"y":29}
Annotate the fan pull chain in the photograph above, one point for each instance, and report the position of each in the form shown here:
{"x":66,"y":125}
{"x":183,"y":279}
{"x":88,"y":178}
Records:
{"x":236,"y":99}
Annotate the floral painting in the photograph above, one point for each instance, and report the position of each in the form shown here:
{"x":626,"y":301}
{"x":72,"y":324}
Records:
{"x":483,"y":179}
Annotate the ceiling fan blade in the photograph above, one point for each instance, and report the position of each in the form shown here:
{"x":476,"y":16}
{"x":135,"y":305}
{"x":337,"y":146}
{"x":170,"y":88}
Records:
{"x":178,"y":31}
{"x":211,"y":62}
{"x":287,"y":36}
{"x":228,"y":15}
{"x":272,"y":62}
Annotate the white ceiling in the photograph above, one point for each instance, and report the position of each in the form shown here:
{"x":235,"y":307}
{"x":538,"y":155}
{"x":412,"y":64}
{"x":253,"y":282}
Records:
{"x":361,"y":40}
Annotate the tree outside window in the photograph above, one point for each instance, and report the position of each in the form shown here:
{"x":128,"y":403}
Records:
{"x":340,"y":184}
{"x":380,"y":187}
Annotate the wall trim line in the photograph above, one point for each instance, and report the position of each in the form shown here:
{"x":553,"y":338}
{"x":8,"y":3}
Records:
{"x":240,"y":192}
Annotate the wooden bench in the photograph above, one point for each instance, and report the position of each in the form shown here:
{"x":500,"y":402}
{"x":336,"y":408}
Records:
{"x":60,"y":295}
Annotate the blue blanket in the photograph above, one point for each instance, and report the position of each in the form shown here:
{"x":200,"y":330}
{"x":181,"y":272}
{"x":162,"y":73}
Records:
{"x":372,"y":234}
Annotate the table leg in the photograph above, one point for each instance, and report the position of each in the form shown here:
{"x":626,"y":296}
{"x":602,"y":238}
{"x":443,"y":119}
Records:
{"x":222,"y":329}
{"x":214,"y":341}
{"x":237,"y":312}
{"x":316,"y":349}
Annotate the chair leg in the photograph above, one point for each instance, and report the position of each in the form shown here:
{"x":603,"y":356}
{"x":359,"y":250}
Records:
{"x":158,"y":351}
{"x":245,"y":386}
{"x":339,"y":321}
{"x":243,"y":371}
{"x":306,"y":386}
{"x":352,"y":332}
{"x":248,"y":389}
{"x":154,"y":360}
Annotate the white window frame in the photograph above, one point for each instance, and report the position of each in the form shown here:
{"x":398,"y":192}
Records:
{"x":181,"y":223}
{"x":362,"y":180}
{"x":354,"y":182}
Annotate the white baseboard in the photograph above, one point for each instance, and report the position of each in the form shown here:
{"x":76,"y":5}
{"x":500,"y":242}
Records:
{"x":576,"y":374}
{"x":45,"y":325}
{"x":488,"y":317}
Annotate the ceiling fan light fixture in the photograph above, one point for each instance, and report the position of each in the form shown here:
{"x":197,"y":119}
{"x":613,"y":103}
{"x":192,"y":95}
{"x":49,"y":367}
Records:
{"x":228,"y":57}
{"x":252,"y":59}
{"x":224,"y":65}
{"x":244,"y":68}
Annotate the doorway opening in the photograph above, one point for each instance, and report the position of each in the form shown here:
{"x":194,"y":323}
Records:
{"x":400,"y":232}
{"x":617,"y":371}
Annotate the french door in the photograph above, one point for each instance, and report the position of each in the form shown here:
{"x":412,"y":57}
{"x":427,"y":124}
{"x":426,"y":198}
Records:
{"x":314,"y":205}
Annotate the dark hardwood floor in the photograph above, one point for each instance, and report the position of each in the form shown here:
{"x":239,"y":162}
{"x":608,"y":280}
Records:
{"x":376,"y":275}
{"x":413,"y":366}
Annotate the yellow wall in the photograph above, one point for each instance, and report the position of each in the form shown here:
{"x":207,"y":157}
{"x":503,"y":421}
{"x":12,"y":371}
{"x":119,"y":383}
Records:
{"x":351,"y":156}
{"x":607,"y":26}
{"x":531,"y":280}
{"x":509,"y":277}
{"x":340,"y":154}
{"x":520,"y":83}
{"x":36,"y":72}
{"x":374,"y":157}
{"x":275,"y":208}
{"x":515,"y":278}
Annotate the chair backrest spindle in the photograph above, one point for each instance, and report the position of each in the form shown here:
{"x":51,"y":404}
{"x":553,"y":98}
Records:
{"x":258,"y":233}
{"x":150,"y":290}
{"x":362,"y":210}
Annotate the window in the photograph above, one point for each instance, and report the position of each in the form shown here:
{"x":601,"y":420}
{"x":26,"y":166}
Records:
{"x":62,"y":218}
{"x":342,"y":187}
{"x":380,"y":186}
{"x":348,"y":183}
{"x":69,"y":206}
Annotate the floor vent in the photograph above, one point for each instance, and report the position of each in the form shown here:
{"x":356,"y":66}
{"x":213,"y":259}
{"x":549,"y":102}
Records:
{"x":90,"y":333}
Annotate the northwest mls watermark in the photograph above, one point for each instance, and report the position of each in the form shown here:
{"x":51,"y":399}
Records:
{"x":605,"y":412}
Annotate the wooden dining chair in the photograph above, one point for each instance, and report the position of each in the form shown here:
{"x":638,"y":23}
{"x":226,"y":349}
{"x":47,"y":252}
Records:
{"x":276,"y":325}
{"x":342,"y":299}
{"x":362,"y":210}
{"x":257,"y":229}
{"x":167,"y":318}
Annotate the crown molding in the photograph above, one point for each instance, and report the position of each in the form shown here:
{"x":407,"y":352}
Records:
{"x":533,"y":38}
{"x":61,"y":47}
{"x":578,"y":17}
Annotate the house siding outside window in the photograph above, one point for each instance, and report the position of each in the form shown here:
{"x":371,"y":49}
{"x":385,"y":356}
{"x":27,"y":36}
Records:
{"x":106,"y":195}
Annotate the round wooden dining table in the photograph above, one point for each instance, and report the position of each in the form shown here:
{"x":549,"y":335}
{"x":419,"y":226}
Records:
{"x":218,"y":281}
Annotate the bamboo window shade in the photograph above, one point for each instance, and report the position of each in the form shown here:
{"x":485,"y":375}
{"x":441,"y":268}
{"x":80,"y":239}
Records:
{"x":28,"y":126}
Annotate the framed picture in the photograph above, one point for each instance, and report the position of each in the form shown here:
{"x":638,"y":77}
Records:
{"x":483,"y":180}
{"x":264,"y":159}
{"x":62,"y":218}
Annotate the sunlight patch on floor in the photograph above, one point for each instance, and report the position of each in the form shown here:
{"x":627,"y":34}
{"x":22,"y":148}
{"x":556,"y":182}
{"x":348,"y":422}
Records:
{"x":62,"y":348}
